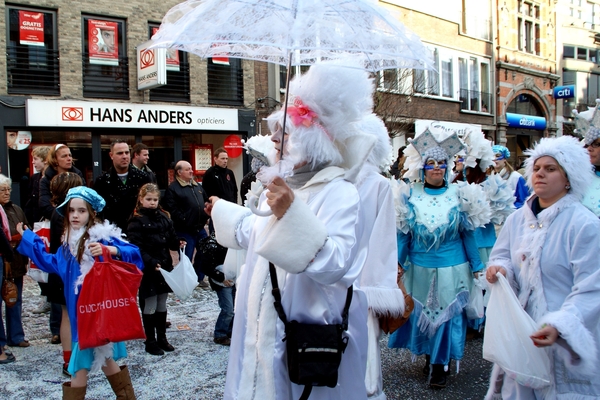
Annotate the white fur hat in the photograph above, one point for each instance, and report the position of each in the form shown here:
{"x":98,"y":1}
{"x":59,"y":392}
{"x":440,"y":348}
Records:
{"x":570,"y":155}
{"x":323,"y":106}
{"x":381,"y":155}
{"x":478,"y":148}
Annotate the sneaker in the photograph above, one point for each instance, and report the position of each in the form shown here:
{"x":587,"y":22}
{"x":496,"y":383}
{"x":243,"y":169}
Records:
{"x":9,"y":359}
{"x":224,"y":341}
{"x":43,"y":308}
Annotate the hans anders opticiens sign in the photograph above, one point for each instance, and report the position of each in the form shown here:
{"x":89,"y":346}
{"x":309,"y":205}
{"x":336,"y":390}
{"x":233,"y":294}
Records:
{"x":127,"y":115}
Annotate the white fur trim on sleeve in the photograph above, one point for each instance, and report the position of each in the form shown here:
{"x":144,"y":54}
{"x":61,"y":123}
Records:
{"x":385,"y":300}
{"x":226,"y":218}
{"x":404,"y":214}
{"x":578,"y":350}
{"x":293,"y":241}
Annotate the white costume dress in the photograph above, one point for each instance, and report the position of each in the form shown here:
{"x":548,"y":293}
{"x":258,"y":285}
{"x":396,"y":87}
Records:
{"x":311,"y":247}
{"x":552,"y":263}
{"x":377,"y":234}
{"x":591,"y":199}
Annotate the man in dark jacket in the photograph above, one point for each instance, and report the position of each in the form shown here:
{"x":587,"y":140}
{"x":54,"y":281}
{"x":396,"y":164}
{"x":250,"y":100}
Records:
{"x":184,"y":199}
{"x":119,"y":186}
{"x":219,"y":180}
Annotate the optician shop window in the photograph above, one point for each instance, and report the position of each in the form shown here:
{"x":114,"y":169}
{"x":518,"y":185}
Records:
{"x":105,"y":62}
{"x":177,"y":88}
{"x":32,"y":65}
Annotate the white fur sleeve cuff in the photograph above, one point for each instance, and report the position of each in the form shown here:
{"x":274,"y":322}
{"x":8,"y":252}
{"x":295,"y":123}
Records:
{"x":507,"y":265}
{"x":226,"y":218}
{"x":293,"y":241}
{"x":578,"y":348}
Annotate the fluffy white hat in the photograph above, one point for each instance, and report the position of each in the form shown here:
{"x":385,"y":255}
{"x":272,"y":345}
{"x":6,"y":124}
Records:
{"x":570,"y":155}
{"x":588,"y":123}
{"x":323,"y":105}
{"x":478,"y":148}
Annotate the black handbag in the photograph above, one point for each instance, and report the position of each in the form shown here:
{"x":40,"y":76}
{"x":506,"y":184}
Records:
{"x":314,"y":351}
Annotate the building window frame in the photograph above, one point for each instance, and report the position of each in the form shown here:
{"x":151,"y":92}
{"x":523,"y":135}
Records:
{"x":103,"y":80}
{"x":32,"y":66}
{"x":225,"y":82}
{"x":529,"y":24}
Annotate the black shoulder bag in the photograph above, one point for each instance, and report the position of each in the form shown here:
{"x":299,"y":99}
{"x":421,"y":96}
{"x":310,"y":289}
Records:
{"x":314,"y":351}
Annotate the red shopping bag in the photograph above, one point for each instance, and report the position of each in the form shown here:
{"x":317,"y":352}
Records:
{"x":42,"y":229}
{"x":107,"y":310}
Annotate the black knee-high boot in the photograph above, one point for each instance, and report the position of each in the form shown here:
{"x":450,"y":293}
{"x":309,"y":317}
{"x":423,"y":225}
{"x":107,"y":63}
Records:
{"x":151,"y":343}
{"x":160,"y":320}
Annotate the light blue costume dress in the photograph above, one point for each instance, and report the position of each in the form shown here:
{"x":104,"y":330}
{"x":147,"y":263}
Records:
{"x":66,"y":266}
{"x":591,"y":199}
{"x":438,"y":240}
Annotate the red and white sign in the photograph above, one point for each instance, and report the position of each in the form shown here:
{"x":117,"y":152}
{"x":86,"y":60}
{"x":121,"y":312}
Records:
{"x":173,"y":61}
{"x":151,"y":67}
{"x":234,"y":146}
{"x":31,"y":28}
{"x":103,"y":40}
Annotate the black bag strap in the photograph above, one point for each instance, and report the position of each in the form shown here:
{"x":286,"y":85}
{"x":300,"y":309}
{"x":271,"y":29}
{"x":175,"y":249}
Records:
{"x":279,"y":307}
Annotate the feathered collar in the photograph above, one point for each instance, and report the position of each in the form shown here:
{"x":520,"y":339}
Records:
{"x":529,"y":254}
{"x":99,"y":232}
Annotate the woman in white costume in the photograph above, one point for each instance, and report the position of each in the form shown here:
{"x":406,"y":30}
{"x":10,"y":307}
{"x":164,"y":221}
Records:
{"x":310,"y":238}
{"x":548,"y":250}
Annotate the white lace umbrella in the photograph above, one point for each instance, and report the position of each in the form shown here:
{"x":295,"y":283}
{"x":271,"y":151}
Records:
{"x":293,"y":32}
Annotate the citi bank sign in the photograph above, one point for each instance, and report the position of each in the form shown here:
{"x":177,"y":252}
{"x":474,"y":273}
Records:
{"x":525,"y":121}
{"x":564,"y":92}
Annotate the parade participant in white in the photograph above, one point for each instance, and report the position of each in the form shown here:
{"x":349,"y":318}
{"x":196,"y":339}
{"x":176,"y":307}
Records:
{"x":588,"y":126}
{"x":377,"y":227}
{"x":310,"y":239}
{"x":548,"y":250}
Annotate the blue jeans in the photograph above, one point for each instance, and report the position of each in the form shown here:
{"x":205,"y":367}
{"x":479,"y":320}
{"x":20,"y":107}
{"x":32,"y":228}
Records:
{"x":224,"y":323}
{"x":14,"y":333}
{"x":192,"y":243}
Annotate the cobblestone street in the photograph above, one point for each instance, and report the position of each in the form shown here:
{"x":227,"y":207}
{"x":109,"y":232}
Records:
{"x":196,"y":369}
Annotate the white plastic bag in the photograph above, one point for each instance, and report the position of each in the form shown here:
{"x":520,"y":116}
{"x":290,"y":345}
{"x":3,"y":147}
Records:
{"x":506,"y":340}
{"x":183,"y":279}
{"x":474,"y":308}
{"x":42,"y":229}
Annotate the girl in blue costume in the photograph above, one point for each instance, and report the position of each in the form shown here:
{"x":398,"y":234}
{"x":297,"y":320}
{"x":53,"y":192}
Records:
{"x":437,"y":252}
{"x":84,"y":238}
{"x":506,"y":172}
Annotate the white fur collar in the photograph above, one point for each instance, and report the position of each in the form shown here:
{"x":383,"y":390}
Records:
{"x":101,"y":231}
{"x":534,"y":237}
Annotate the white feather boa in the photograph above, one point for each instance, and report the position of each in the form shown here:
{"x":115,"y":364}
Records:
{"x":404,"y":213}
{"x":475,"y":210}
{"x":501,"y":198}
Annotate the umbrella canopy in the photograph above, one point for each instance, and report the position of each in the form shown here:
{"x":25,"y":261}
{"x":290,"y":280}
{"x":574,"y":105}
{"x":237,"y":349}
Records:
{"x":293,"y":32}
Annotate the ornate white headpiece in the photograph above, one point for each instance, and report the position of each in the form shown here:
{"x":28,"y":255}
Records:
{"x":587,"y":123}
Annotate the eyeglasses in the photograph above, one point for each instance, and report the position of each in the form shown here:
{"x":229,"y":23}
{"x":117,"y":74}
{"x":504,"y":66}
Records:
{"x":4,"y":190}
{"x":595,"y":145}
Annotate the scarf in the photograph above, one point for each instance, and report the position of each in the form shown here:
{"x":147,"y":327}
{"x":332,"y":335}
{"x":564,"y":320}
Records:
{"x":5,"y":226}
{"x":302,"y":175}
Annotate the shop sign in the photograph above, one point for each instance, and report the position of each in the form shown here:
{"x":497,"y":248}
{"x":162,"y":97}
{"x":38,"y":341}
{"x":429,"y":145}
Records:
{"x":445,"y":126}
{"x":103,"y":42}
{"x":31,"y":28}
{"x":151,"y":67}
{"x":564,"y":92}
{"x":525,"y":121}
{"x":234,"y":146}
{"x":172,"y":55}
{"x":73,"y":114}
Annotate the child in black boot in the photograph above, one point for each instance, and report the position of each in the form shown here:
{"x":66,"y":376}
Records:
{"x":151,"y":229}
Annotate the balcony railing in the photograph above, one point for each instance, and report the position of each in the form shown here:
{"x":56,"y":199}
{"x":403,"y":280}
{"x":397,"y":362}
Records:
{"x":106,"y":81}
{"x":472,"y":100}
{"x":32,"y":70}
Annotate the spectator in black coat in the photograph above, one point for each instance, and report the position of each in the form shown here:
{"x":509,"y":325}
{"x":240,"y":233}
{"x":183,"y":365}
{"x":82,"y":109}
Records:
{"x":184,"y":199}
{"x":119,"y":186}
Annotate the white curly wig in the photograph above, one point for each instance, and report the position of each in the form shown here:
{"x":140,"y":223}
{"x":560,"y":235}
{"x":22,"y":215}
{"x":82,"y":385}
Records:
{"x":381,"y":155}
{"x":338,"y":96}
{"x":570,"y":155}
